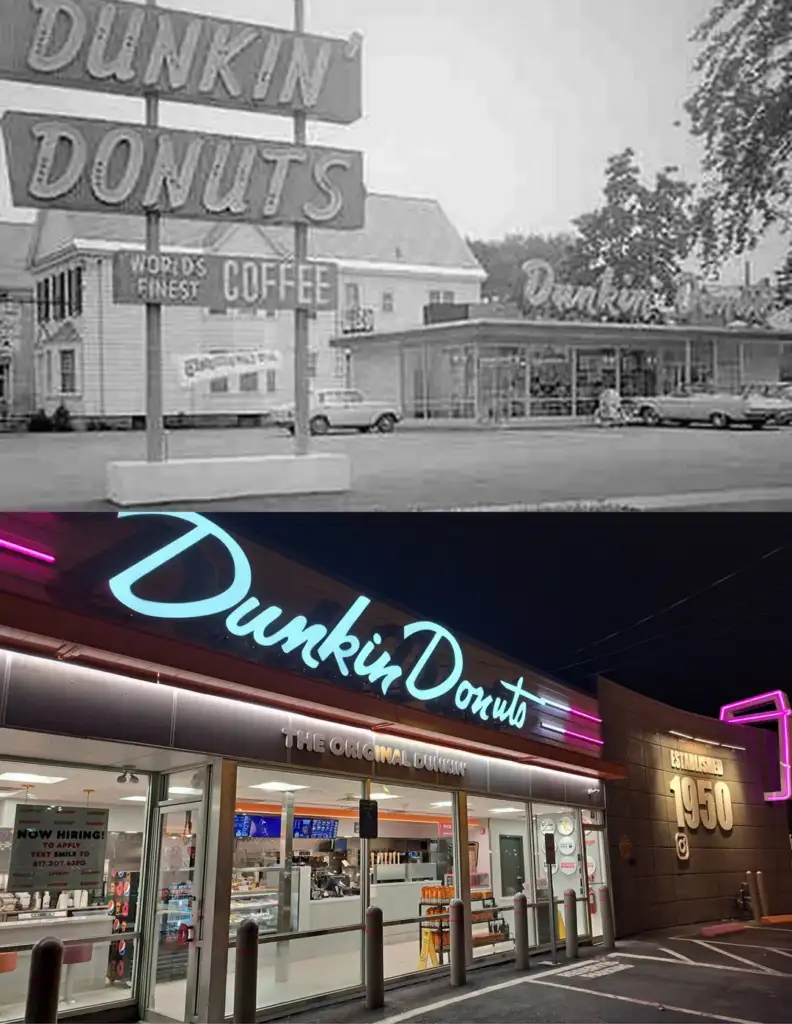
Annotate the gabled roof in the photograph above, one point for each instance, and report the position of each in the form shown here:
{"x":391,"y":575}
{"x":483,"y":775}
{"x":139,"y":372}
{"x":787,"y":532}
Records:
{"x":415,"y":232}
{"x":14,"y":243}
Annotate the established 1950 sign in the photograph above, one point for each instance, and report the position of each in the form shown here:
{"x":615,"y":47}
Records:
{"x":131,"y":48}
{"x":100,"y":166}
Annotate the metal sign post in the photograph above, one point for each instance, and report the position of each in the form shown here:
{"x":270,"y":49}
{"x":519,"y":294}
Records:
{"x":301,"y":390}
{"x":155,"y":438}
{"x":550,"y":859}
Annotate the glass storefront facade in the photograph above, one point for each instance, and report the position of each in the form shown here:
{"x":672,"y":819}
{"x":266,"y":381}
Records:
{"x":495,"y":383}
{"x":191,"y":853}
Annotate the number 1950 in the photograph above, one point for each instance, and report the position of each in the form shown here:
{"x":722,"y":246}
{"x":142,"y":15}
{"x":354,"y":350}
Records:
{"x":701,"y":802}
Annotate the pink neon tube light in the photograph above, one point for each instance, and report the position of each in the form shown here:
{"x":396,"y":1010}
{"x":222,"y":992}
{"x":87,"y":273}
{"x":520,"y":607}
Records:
{"x":21,"y":549}
{"x":574,"y":735}
{"x":733,"y":715}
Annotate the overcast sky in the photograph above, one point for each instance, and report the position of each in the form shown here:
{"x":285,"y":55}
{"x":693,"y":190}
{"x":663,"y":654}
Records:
{"x":504,"y":112}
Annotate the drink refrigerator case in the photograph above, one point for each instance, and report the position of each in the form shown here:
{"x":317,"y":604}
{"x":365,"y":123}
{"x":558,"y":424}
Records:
{"x":122,"y":899}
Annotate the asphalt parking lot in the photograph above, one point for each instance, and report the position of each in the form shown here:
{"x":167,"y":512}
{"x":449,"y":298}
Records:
{"x":743,"y":979}
{"x":439,"y":469}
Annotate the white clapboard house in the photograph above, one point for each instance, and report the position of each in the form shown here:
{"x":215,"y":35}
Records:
{"x":90,"y":351}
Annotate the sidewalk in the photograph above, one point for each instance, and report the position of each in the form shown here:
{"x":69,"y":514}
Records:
{"x":534,"y":423}
{"x":415,"y":991}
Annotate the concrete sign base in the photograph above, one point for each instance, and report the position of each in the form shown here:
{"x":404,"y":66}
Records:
{"x":183,"y":480}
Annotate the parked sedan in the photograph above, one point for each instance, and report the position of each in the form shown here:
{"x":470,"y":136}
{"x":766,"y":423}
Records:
{"x":721,"y":409}
{"x":775,"y":397}
{"x":343,"y":409}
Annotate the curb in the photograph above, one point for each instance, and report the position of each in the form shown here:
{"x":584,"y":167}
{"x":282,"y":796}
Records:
{"x":727,"y":928}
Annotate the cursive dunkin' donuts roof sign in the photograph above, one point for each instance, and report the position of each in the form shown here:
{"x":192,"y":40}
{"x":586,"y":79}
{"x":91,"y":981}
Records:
{"x":183,"y":572}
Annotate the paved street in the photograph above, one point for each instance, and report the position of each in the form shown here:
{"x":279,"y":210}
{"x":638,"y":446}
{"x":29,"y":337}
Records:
{"x":675,"y":468}
{"x":743,"y":979}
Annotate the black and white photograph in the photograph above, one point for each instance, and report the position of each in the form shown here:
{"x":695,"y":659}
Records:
{"x":346,"y":256}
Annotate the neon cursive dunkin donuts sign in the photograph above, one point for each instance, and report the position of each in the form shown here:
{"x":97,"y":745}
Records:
{"x":352,"y":656}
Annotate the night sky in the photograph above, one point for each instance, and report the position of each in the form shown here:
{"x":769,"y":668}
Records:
{"x":694,"y":611}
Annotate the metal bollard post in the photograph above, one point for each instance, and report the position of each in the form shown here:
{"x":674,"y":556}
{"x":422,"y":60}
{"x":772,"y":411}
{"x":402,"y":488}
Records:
{"x":456,"y":910}
{"x":570,"y":924}
{"x":756,"y":910}
{"x":44,"y":982}
{"x":762,"y":889}
{"x":521,"y":944}
{"x":246,"y":972}
{"x":375,"y":960}
{"x":606,"y":910}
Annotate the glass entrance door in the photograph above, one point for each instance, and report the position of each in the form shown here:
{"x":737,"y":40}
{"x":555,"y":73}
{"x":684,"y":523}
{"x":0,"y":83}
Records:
{"x":174,"y":935}
{"x":596,"y":875}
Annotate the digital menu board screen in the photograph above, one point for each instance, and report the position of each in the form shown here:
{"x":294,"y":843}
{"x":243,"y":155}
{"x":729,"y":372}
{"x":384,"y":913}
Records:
{"x":315,"y":828}
{"x":241,"y":826}
{"x":268,"y":826}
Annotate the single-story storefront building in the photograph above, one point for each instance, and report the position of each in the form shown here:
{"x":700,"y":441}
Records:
{"x":513,"y":369}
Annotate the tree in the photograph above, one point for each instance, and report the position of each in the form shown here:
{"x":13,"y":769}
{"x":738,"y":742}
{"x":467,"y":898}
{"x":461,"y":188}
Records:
{"x":742,"y":110}
{"x":503,"y":261}
{"x":783,"y":282}
{"x":643,"y":234}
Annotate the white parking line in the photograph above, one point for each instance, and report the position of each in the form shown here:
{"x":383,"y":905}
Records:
{"x":750,"y":945}
{"x":702,"y":963}
{"x":679,"y":956}
{"x":734,"y":956}
{"x":452,"y":1000}
{"x":642,"y":1002}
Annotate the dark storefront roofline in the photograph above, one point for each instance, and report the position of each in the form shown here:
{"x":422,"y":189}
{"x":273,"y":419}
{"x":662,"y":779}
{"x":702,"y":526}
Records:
{"x":508,"y":332}
{"x":91,"y":642}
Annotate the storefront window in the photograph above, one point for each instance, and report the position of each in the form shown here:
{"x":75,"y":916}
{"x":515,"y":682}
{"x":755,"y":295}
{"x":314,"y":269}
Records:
{"x":412,"y":875}
{"x":640,"y":373}
{"x":564,"y":825}
{"x":786,"y":363}
{"x":596,"y":371}
{"x":79,"y":891}
{"x":297,"y":868}
{"x":499,"y":843}
{"x":451,"y":382}
{"x":672,"y":371}
{"x":728,"y":375}
{"x":762,"y":361}
{"x":702,"y":363}
{"x":551,"y":380}
{"x":503,"y":383}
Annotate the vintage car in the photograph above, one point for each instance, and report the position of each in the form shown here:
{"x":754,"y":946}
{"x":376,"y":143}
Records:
{"x":720,"y":408}
{"x":775,"y":396}
{"x":341,"y":409}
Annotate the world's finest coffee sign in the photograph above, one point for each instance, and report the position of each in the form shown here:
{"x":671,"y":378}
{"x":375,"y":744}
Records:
{"x":132,"y":49}
{"x":223,"y":282}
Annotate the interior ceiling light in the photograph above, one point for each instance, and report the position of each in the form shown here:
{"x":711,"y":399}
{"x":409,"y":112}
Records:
{"x":383,"y":796}
{"x":184,"y":791}
{"x":139,"y":799}
{"x":274,"y":787}
{"x":34,"y":780}
{"x":443,"y":803}
{"x":507,"y":810}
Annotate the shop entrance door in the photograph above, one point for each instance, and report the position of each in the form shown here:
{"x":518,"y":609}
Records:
{"x":174,"y":926}
{"x":596,"y":875}
{"x":512,"y":865}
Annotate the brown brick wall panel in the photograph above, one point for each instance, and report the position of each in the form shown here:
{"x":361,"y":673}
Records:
{"x":658,"y":890}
